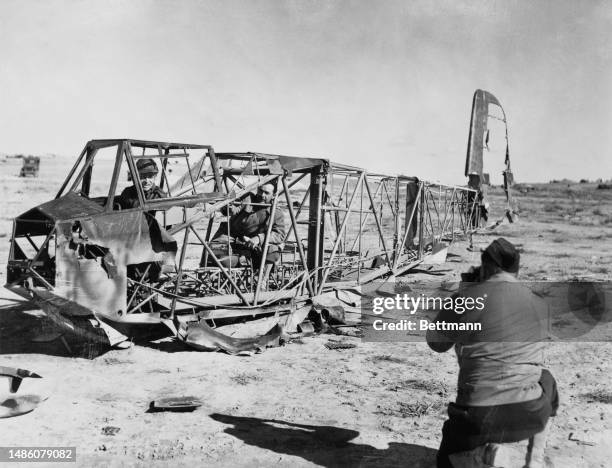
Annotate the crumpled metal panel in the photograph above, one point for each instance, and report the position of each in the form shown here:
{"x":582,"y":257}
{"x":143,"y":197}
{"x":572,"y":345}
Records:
{"x":69,"y":206}
{"x":74,"y":320}
{"x":290,"y":164}
{"x":91,"y":263}
{"x":278,"y":163}
{"x":202,"y":337}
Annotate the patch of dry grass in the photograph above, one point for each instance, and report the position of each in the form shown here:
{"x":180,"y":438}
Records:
{"x":599,"y":396}
{"x":561,"y":255}
{"x":412,"y":410}
{"x":112,"y":361}
{"x":386,"y":358}
{"x":553,"y":208}
{"x":244,"y":378}
{"x":431,"y":387}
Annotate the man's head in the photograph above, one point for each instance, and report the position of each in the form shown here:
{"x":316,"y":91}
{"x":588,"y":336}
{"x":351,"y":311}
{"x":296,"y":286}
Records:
{"x":500,"y":255}
{"x":265,"y":193}
{"x":147,"y":171}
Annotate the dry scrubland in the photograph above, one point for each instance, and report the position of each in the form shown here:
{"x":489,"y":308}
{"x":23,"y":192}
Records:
{"x":302,"y":404}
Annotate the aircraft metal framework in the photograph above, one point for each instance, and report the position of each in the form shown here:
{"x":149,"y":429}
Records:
{"x":346,"y":227}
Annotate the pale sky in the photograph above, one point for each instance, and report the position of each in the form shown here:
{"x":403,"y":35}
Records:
{"x":385,"y":85}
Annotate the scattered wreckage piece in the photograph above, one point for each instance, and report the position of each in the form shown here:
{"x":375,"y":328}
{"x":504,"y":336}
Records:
{"x":176,"y":404}
{"x":202,"y":337}
{"x":18,"y":400}
{"x":336,"y":345}
{"x":154,"y":269}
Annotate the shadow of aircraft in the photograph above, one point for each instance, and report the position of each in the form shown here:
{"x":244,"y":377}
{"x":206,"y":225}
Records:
{"x":22,"y":332}
{"x":327,"y":446}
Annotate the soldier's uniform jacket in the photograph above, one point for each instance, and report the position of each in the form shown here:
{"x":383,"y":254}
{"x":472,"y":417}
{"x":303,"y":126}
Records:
{"x":129,"y":197}
{"x":252,"y":221}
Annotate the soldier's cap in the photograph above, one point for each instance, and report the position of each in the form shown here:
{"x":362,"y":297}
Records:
{"x":503,"y":254}
{"x":146,"y":166}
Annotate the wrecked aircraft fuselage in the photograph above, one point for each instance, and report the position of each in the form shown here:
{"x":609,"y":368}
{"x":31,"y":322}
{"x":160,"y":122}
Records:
{"x":85,"y":258}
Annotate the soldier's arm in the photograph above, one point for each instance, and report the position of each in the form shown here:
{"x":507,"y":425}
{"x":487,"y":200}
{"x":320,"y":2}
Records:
{"x":125,"y":200}
{"x":159,"y":193}
{"x":279,"y":228}
{"x":442,"y":341}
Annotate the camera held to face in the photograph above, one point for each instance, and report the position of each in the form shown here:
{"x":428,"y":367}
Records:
{"x":472,"y":275}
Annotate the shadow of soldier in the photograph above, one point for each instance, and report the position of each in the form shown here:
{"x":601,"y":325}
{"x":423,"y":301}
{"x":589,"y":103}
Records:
{"x":327,"y":446}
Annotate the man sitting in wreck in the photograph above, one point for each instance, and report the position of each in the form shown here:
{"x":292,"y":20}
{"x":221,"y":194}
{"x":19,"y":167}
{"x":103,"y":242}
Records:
{"x":147,"y":172}
{"x":160,"y":239}
{"x":246,"y":234}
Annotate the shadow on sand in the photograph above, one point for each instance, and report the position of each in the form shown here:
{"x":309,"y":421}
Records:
{"x":327,"y":446}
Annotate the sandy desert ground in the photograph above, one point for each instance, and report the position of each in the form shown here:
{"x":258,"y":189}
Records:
{"x":377,"y":404}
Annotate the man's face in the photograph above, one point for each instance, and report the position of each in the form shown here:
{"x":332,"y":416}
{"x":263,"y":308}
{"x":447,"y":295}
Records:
{"x":147,"y":180}
{"x":265,"y":193}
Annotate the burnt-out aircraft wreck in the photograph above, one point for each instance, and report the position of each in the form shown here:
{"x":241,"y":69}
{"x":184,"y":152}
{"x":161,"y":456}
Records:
{"x":155,"y":266}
